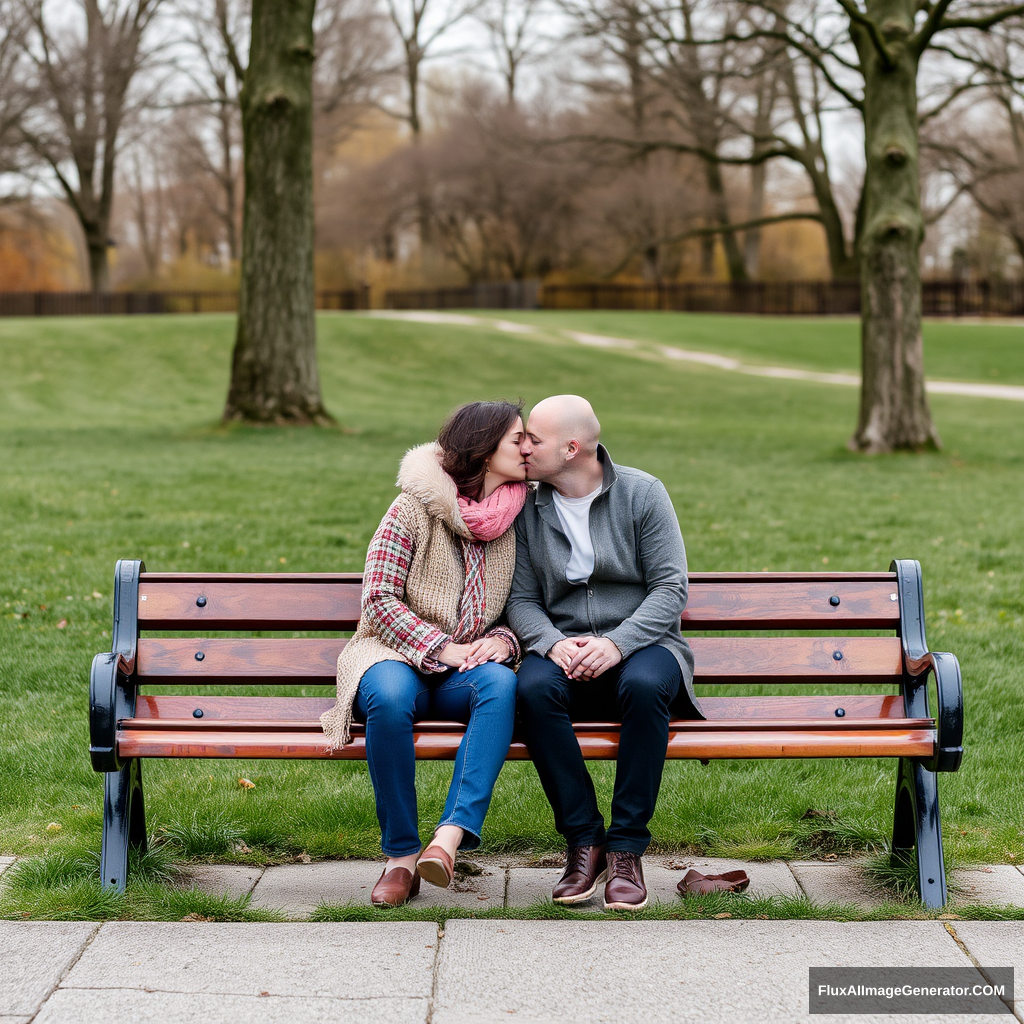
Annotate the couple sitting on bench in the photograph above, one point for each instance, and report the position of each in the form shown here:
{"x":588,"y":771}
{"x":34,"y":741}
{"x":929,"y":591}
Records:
{"x":471,"y":579}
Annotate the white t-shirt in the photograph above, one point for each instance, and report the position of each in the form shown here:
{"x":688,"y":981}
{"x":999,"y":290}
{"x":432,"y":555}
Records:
{"x":574,"y":515}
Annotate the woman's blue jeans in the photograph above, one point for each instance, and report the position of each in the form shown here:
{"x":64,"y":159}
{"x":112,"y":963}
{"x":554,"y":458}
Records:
{"x":392,"y":695}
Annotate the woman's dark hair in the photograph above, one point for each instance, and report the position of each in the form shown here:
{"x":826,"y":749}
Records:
{"x":469,"y":437}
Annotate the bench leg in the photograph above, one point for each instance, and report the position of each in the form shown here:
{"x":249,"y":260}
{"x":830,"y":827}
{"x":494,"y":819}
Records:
{"x":916,"y":826}
{"x":124,"y":823}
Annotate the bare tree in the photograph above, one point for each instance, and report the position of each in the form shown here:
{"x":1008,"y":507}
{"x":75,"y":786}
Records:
{"x":207,"y":128}
{"x":977,"y":141}
{"x":499,"y":209}
{"x":274,"y":376}
{"x":870,"y":54}
{"x":14,"y":97}
{"x":354,"y":65}
{"x":83,"y":71}
{"x":515,"y":42}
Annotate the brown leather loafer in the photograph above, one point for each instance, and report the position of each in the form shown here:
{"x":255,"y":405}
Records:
{"x":585,"y":870}
{"x":394,"y":887}
{"x":436,"y":867}
{"x":625,"y":889}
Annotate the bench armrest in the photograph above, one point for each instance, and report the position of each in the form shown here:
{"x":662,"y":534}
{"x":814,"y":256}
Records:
{"x":112,"y":689}
{"x":949,"y":722}
{"x":918,"y":661}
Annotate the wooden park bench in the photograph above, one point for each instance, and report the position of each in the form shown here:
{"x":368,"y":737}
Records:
{"x":133,"y":717}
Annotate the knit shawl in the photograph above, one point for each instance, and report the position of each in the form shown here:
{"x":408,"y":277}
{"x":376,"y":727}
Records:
{"x":428,"y":510}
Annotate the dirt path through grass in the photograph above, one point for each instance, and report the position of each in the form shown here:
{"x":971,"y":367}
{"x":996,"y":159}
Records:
{"x":1006,"y":392}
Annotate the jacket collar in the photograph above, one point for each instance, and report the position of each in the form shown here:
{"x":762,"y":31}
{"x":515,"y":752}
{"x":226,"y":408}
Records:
{"x":421,"y":476}
{"x":545,"y":490}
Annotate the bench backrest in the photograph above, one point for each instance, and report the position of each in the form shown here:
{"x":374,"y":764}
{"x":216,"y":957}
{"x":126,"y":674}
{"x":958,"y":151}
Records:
{"x":831,"y":607}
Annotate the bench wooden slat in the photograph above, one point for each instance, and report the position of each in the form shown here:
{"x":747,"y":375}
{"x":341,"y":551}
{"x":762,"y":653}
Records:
{"x":226,"y":605}
{"x":151,"y":708}
{"x":791,"y":605}
{"x":333,"y":604}
{"x":312,"y":661}
{"x":683,"y":744}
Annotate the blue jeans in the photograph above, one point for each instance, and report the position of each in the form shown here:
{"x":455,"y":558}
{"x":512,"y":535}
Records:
{"x":392,"y":695}
{"x":638,"y":693}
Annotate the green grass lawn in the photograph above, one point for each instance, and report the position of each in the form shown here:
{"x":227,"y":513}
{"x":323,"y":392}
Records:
{"x":990,"y":353}
{"x":111,"y":449}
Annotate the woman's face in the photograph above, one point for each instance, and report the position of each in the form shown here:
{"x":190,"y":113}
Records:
{"x":507,"y":462}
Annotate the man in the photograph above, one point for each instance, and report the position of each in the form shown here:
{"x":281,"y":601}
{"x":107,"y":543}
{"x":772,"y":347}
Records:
{"x":599,"y":586}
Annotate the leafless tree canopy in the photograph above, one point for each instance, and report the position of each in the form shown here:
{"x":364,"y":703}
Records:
{"x":470,"y":139}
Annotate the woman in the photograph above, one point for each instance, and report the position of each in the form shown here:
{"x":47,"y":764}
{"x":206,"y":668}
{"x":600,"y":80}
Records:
{"x":438,"y":573}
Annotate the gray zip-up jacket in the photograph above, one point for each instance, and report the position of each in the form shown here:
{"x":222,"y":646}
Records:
{"x":638,"y":588}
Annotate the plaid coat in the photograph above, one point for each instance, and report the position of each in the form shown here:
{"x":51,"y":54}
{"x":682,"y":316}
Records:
{"x":427,"y":583}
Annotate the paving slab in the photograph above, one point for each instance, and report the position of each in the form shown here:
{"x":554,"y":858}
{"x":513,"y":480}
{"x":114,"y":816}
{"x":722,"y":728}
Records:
{"x":337,"y":960}
{"x":996,"y":944}
{"x":224,"y":879}
{"x":83,"y":1006}
{"x":838,"y":882}
{"x":5,"y":863}
{"x":33,"y":957}
{"x":298,"y":889}
{"x":650,"y":972}
{"x":999,"y":884}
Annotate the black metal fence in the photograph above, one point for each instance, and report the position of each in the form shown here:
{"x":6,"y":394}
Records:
{"x":768,"y":297}
{"x":954,"y":298}
{"x":482,"y":295}
{"x":788,"y":298}
{"x":113,"y":303}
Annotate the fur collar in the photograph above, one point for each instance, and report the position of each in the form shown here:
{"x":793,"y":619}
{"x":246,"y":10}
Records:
{"x":420,"y":475}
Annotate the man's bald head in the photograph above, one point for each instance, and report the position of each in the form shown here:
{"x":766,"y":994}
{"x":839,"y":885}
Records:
{"x":568,"y":418}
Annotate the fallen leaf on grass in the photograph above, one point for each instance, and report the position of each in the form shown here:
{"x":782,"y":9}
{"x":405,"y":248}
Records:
{"x":304,"y":858}
{"x":721,"y":917}
{"x":54,"y":826}
{"x":62,"y":623}
{"x":193,"y":916}
{"x":246,"y":784}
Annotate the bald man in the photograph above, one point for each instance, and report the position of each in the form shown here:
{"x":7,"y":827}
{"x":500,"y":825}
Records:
{"x":599,"y":586}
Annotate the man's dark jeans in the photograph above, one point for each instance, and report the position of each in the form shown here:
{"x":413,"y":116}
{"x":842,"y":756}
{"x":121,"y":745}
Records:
{"x":637,"y":692}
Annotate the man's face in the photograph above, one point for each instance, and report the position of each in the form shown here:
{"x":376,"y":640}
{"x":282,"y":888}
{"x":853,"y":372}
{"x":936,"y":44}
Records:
{"x":541,"y":448}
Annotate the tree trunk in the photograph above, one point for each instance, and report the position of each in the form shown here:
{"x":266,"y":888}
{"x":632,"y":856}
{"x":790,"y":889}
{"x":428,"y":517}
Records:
{"x":894,"y":410}
{"x":99,"y":266}
{"x":720,"y":208}
{"x":274,"y":374}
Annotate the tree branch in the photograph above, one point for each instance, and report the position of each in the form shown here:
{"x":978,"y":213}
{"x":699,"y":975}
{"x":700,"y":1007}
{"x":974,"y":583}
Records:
{"x":858,"y":17}
{"x":995,"y":18}
{"x":717,"y":229}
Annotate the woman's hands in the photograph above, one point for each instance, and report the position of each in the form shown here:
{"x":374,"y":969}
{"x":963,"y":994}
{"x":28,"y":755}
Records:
{"x":467,"y":656}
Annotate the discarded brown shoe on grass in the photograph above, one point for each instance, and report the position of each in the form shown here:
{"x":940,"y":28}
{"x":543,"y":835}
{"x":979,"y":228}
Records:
{"x":693,"y":883}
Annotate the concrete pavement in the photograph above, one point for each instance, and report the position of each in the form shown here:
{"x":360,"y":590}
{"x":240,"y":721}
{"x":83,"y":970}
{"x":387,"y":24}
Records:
{"x":496,"y":883}
{"x":481,"y":971}
{"x":472,"y":972}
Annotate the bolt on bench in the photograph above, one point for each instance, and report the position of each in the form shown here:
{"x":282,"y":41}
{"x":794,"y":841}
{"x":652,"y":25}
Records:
{"x":127,"y":725}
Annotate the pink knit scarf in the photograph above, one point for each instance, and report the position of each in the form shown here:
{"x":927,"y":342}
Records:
{"x":491,"y":517}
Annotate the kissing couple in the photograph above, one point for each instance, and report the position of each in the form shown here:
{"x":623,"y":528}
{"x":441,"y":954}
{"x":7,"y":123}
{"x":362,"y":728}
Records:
{"x":486,"y":598}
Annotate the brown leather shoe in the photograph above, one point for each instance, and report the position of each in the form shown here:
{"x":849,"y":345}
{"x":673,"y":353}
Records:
{"x":394,"y":887}
{"x":585,"y":870}
{"x":625,"y":889}
{"x":436,"y":867}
